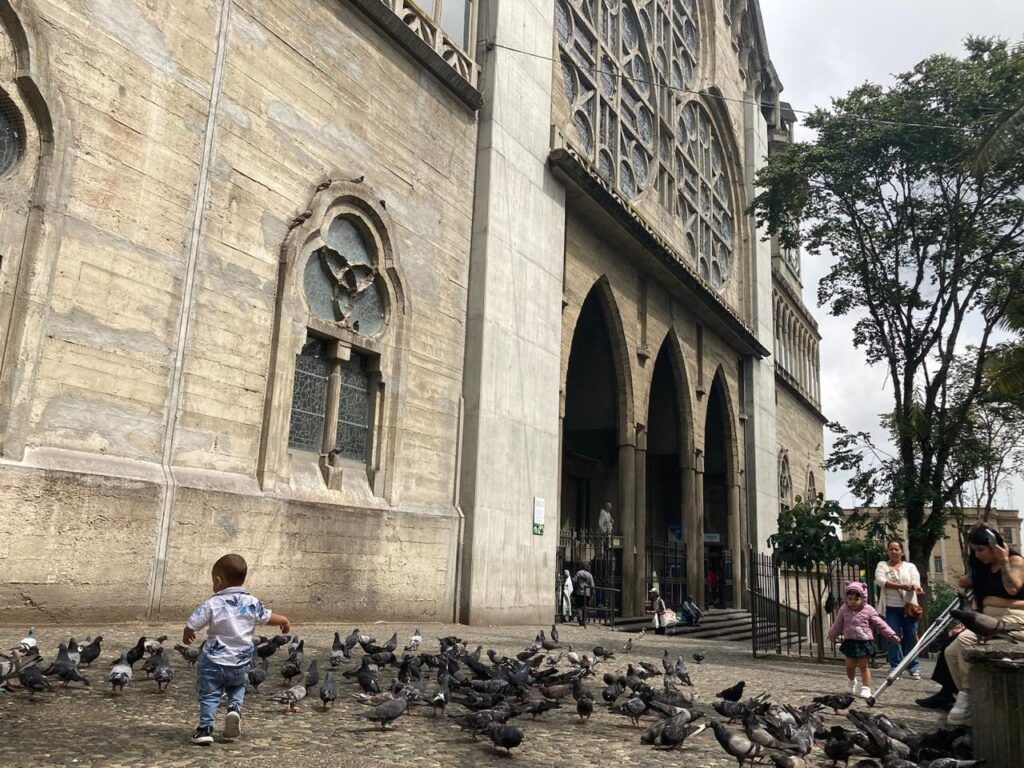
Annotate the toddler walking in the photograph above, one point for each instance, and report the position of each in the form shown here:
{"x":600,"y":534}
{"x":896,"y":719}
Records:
{"x":854,"y":623}
{"x":231,"y":615}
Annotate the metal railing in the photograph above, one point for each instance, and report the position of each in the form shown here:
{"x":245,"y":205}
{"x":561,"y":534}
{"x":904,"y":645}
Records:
{"x":599,"y":553}
{"x":666,"y":570}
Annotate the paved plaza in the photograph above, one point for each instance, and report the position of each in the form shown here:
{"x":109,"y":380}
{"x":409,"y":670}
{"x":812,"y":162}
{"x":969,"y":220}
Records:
{"x":93,"y":727}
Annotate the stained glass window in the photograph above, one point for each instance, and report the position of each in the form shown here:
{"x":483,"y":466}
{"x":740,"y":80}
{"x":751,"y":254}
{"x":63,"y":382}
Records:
{"x":12,"y":135}
{"x":629,"y":70}
{"x":309,"y":397}
{"x":353,"y":409}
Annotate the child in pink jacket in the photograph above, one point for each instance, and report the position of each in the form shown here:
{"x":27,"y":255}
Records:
{"x":855,"y":622}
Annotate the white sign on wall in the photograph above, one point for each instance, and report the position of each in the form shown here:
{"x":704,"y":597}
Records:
{"x":538,"y":516}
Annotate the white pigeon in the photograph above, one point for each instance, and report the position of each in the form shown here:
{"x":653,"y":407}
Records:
{"x":573,"y":657}
{"x":415,"y":641}
{"x":28,"y":643}
{"x":154,"y":644}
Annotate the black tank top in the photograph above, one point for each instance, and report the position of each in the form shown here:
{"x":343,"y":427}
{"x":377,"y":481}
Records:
{"x":987,"y":583}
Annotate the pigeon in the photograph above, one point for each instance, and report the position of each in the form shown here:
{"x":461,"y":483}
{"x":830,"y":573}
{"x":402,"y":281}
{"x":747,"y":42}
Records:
{"x":628,"y":647}
{"x":388,"y":647}
{"x":440,"y":699}
{"x":74,"y":652}
{"x":91,"y":652}
{"x":154,"y":644}
{"x":28,"y":643}
{"x":879,"y":744}
{"x":328,"y":690}
{"x":733,"y":693}
{"x":699,"y":657}
{"x":269,"y":648}
{"x":675,"y":732}
{"x":291,"y":669}
{"x":952,"y":762}
{"x":600,"y":654}
{"x":338,"y":652}
{"x":137,"y":652}
{"x":258,"y":674}
{"x":792,"y":761}
{"x":736,"y":745}
{"x":632,"y":708}
{"x":31,"y":678}
{"x":312,"y":675}
{"x":572,"y":657}
{"x":666,"y":664}
{"x":416,"y":641}
{"x":389,"y":711}
{"x":505,"y":737}
{"x":368,"y":676}
{"x":554,"y":633}
{"x":838,"y":746}
{"x":682,"y":672}
{"x":120,"y":673}
{"x":585,"y":707}
{"x":191,"y":655}
{"x":542,"y":706}
{"x":164,"y":672}
{"x":65,"y":670}
{"x":835,"y":701}
{"x":291,"y":697}
{"x":986,"y":627}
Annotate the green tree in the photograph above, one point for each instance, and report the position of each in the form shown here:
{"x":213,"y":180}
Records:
{"x":926,"y":254}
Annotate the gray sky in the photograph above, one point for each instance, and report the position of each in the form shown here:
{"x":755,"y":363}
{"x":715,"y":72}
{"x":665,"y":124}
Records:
{"x":823,"y":48}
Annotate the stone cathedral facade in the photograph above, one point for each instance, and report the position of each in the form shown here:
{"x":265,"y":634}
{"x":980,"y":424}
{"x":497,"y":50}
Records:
{"x":390,"y":297}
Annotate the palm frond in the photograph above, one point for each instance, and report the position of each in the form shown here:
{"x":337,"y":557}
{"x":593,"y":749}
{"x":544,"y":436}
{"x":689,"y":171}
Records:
{"x":1005,"y":371}
{"x":1004,"y":142}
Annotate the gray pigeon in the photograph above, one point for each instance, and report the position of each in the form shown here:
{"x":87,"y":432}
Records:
{"x":191,"y":655}
{"x":291,"y":697}
{"x":65,"y":670}
{"x":258,"y":674}
{"x":120,"y":673}
{"x":736,"y":745}
{"x":312,"y":674}
{"x":91,"y":651}
{"x":31,"y":677}
{"x":389,"y":711}
{"x":504,"y":737}
{"x":328,"y":690}
{"x":338,"y":652}
{"x":676,"y":730}
{"x":74,"y":652}
{"x":163,"y":673}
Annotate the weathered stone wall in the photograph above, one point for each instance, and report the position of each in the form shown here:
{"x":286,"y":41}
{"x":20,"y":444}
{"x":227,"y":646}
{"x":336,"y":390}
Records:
{"x":801,"y":435}
{"x":154,"y":353}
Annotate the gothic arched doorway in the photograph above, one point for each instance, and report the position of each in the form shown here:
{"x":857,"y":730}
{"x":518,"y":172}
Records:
{"x":665,"y":563}
{"x":722,"y":545}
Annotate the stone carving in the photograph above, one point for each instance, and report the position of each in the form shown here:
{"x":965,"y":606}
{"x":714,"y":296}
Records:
{"x":628,"y":69}
{"x":605,"y":522}
{"x":785,"y":479}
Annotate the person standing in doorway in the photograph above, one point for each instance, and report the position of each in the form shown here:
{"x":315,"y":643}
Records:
{"x":658,"y":604}
{"x":900,"y":586}
{"x":712,"y":583}
{"x":583,"y":588}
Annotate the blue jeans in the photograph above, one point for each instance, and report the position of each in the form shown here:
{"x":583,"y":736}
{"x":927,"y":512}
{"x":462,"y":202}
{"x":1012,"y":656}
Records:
{"x":906,"y":628}
{"x":214,"y":680}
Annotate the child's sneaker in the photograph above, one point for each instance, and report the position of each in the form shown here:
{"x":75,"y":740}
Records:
{"x":203,"y":736}
{"x":915,"y":675}
{"x":865,"y":692}
{"x":854,"y":686}
{"x":232,"y":724}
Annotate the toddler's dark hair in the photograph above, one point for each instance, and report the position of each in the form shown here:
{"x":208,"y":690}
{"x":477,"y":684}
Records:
{"x":232,"y":569}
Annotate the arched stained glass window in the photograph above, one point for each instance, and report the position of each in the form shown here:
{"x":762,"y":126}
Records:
{"x":629,"y":72}
{"x":12,"y":134}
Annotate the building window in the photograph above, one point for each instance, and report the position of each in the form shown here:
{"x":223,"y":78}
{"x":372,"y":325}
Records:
{"x":812,"y":487}
{"x":12,"y":134}
{"x":785,"y":480}
{"x":1007,"y":535}
{"x":938,"y":564}
{"x":351,"y":435}
{"x":309,"y":398}
{"x":629,"y":74}
{"x":453,"y":16}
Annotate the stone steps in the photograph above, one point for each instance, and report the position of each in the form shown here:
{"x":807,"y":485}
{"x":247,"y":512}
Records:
{"x":731,"y":624}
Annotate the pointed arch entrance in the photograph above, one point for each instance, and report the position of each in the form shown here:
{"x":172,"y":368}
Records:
{"x":664,"y":451}
{"x":597,"y":453}
{"x":723,"y":545}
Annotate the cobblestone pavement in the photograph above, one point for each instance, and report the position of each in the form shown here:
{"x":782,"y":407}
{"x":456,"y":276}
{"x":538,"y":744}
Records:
{"x":94,"y":727}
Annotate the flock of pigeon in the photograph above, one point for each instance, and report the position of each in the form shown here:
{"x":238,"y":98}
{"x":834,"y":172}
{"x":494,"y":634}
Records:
{"x":490,"y":691}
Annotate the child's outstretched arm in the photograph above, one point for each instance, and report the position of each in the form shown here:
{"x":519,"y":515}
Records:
{"x":277,"y":620}
{"x":879,"y":625}
{"x":200,"y":618}
{"x":837,"y":625}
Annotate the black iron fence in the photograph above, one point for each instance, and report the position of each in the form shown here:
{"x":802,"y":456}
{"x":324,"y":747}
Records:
{"x":601,"y":555}
{"x":792,"y":609}
{"x":666,"y":570}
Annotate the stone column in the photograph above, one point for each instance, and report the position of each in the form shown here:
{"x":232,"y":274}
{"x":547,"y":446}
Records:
{"x":627,"y":508}
{"x":694,"y":532}
{"x":690,"y":523}
{"x":640,"y":511}
{"x":736,"y":543}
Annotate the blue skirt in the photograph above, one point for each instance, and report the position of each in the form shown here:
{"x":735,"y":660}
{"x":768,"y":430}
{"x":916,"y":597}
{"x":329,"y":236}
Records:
{"x":858,"y":649}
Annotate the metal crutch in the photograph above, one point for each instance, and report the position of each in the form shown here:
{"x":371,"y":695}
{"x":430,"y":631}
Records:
{"x":936,"y":628}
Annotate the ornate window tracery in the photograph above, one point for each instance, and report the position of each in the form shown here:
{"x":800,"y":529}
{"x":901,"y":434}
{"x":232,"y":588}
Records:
{"x":785,"y":480}
{"x":628,"y":67}
{"x":12,"y":134}
{"x":812,"y":487}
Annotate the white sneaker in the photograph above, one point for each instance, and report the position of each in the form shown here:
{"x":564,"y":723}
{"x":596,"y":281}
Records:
{"x":855,"y":686}
{"x":915,"y":675}
{"x":960,"y":714}
{"x":232,"y":724}
{"x":865,"y":692}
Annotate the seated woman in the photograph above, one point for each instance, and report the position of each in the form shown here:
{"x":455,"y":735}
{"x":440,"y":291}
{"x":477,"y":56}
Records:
{"x":996,"y":574}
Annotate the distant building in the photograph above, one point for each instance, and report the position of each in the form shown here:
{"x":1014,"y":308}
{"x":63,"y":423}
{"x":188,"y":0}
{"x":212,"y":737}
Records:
{"x":947,"y":560}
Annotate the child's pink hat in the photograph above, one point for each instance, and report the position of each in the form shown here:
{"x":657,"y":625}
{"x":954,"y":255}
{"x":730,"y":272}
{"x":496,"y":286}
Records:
{"x":859,"y":588}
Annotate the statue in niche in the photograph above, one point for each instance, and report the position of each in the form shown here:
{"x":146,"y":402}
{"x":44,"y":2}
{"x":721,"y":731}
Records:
{"x":605,"y":521}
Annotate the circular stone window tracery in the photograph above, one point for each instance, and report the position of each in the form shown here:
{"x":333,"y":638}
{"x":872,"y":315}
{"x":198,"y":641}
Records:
{"x":629,"y":71}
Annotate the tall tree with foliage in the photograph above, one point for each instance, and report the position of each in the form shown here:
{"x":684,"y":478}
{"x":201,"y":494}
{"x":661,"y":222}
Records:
{"x":927,"y":253}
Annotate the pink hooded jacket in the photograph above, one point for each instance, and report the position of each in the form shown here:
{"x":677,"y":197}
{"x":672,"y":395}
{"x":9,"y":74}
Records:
{"x":857,"y":625}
